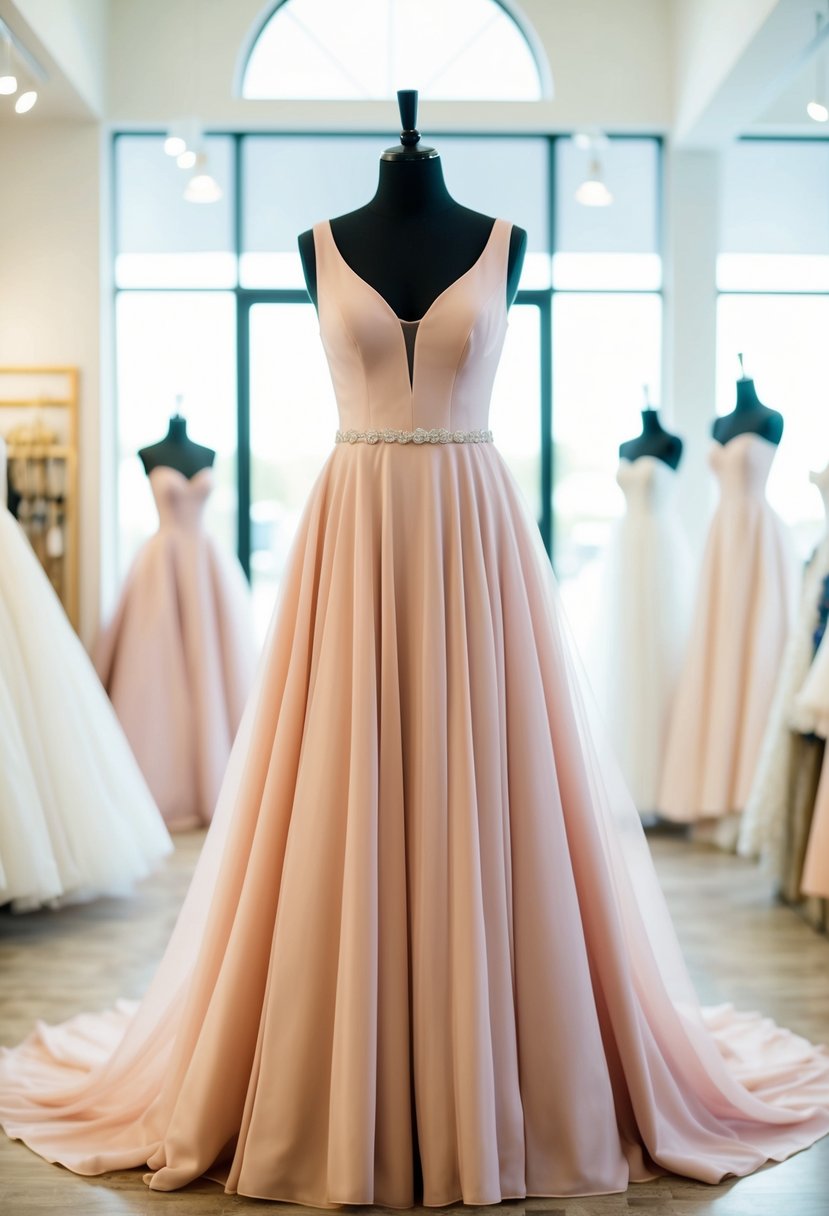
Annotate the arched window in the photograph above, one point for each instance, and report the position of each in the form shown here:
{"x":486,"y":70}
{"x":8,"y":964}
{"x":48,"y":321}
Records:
{"x":463,"y":50}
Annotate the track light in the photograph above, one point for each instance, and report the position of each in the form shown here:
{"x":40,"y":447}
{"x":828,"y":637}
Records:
{"x":183,"y":140}
{"x":26,"y":101}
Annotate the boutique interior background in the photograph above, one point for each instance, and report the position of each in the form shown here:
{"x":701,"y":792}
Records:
{"x":681,"y":81}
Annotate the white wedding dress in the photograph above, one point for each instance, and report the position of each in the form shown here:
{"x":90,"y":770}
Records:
{"x":810,"y":711}
{"x":796,"y":711}
{"x":638,"y":622}
{"x":76,"y":819}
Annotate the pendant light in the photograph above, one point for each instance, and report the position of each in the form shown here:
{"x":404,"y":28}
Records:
{"x":8,"y":80}
{"x":202,"y":186}
{"x":818,"y":107}
{"x":593,"y":191}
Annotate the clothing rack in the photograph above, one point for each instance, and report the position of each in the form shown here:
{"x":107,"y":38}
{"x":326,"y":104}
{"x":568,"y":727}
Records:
{"x":39,"y":422}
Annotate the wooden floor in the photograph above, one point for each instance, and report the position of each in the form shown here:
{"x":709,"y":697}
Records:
{"x":739,"y":947}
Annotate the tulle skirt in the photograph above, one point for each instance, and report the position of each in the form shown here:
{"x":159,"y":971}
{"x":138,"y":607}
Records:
{"x":76,"y":819}
{"x":424,"y":938}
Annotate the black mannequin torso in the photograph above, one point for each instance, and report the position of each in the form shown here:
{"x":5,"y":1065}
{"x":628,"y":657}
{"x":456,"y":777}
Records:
{"x":177,"y":451}
{"x":748,"y":416}
{"x":412,"y":240}
{"x":653,"y":441}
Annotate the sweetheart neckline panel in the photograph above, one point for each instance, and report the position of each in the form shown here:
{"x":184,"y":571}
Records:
{"x":626,"y":461}
{"x":716,"y":444}
{"x":169,"y":468}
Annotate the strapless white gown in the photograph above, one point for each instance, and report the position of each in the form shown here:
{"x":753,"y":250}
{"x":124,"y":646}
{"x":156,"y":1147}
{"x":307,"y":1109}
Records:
{"x":774,"y":814}
{"x":767,"y":819}
{"x":640,"y":624}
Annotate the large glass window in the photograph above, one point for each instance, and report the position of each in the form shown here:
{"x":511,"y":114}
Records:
{"x":606,"y":348}
{"x":213,"y":318}
{"x":607,"y":334}
{"x":325,"y":48}
{"x":289,"y":182}
{"x":773,"y":276}
{"x":163,"y":240}
{"x":176,"y":353}
{"x":613,"y":247}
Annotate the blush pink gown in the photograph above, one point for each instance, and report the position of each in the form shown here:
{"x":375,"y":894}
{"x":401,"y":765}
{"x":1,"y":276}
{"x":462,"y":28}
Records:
{"x":179,"y":655}
{"x":743,"y":616}
{"x":424,"y":935}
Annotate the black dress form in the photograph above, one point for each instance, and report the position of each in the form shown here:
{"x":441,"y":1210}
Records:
{"x":177,"y":451}
{"x":653,"y":441}
{"x":412,"y":240}
{"x":749,"y":415}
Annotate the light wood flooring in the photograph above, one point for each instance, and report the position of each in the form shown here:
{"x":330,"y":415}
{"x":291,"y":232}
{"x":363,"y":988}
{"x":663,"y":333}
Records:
{"x":739,"y":946}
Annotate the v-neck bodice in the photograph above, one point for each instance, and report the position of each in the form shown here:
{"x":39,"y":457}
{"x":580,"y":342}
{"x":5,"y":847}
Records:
{"x":436,"y":372}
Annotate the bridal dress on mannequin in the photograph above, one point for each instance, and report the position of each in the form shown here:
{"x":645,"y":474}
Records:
{"x":811,"y":714}
{"x":781,"y":805}
{"x":76,"y":819}
{"x":178,"y":657}
{"x":640,"y":623}
{"x":743,"y":614}
{"x":424,"y":939}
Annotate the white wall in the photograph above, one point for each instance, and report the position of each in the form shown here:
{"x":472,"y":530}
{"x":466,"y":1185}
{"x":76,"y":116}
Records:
{"x":709,"y":38}
{"x":50,"y":289}
{"x":610,"y":60}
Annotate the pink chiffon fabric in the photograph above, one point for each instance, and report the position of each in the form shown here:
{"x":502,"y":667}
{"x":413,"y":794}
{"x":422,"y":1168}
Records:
{"x":424,"y":937}
{"x":744,"y":613}
{"x":179,"y":655}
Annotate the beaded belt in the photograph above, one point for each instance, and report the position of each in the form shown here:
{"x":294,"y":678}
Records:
{"x":420,"y":435}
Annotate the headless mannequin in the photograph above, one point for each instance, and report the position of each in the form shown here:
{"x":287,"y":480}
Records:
{"x":748,"y":416}
{"x":177,"y":451}
{"x":411,"y":241}
{"x":653,"y":441}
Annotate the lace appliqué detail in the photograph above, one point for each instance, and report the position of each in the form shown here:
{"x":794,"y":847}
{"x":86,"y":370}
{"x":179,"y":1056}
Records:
{"x":419,"y":435}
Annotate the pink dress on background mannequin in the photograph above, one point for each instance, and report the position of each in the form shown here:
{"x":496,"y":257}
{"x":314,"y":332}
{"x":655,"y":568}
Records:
{"x":744,"y":612}
{"x":178,"y":657}
{"x":424,"y":935}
